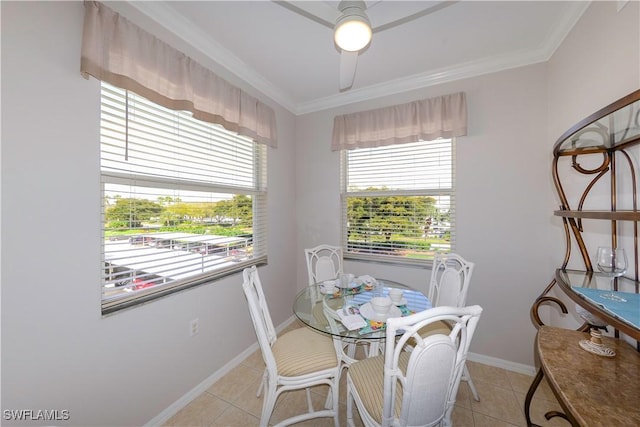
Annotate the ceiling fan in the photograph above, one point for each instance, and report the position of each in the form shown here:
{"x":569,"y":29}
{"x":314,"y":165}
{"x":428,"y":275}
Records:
{"x":353,"y":31}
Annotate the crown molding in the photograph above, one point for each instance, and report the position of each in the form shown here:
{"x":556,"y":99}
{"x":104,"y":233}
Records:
{"x":456,"y":72}
{"x":182,"y":28}
{"x":185,"y":30}
{"x":418,"y":81}
{"x":562,"y":30}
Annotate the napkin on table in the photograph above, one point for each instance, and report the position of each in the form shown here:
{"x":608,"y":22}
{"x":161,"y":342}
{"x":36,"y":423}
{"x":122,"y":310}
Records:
{"x":351,"y":321}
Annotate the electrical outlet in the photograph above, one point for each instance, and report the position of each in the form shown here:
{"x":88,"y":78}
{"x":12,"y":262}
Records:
{"x":194,"y":327}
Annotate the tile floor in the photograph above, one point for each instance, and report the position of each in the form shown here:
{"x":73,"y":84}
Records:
{"x":232,"y":401}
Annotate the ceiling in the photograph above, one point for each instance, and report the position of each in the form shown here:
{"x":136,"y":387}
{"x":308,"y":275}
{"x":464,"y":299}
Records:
{"x":292,"y":58}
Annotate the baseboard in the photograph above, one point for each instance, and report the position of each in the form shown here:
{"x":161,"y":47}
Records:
{"x":501,"y":363}
{"x":188,"y":397}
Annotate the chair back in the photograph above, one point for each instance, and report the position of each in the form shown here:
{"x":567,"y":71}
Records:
{"x":260,"y":315}
{"x":428,"y":377}
{"x":450,"y":278}
{"x":324,"y":262}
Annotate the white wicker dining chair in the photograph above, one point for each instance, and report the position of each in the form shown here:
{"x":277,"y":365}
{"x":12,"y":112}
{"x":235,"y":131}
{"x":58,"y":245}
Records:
{"x":296,"y":360}
{"x":416,"y":388}
{"x":324,"y":262}
{"x":449,"y":284}
{"x":450,"y":279}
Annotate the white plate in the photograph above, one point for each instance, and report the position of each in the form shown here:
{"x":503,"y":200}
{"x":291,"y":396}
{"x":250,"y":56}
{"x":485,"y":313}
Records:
{"x":367,"y":312}
{"x":403,"y":301}
{"x":353,"y":284}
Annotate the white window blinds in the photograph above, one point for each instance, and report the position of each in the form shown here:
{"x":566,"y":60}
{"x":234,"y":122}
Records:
{"x":398,"y":201}
{"x":184,"y":201}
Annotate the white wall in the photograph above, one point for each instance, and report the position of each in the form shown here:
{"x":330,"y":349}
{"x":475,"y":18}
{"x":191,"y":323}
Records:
{"x":57,"y":350}
{"x":502,"y":211}
{"x":505,"y":195}
{"x":598,"y":63}
{"x":125,"y":369}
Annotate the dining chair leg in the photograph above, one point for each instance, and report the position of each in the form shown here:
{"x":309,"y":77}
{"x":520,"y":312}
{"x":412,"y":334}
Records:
{"x":334,"y":391}
{"x":467,"y":377}
{"x":267,"y":406}
{"x":350,"y":422}
{"x":262,"y":384}
{"x":332,"y":401}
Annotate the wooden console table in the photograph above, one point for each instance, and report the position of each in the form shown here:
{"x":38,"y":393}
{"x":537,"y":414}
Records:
{"x":593,"y":390}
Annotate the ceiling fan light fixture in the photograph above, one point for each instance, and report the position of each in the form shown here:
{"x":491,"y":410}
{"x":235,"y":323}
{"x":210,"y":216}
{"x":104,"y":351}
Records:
{"x":353,"y":30}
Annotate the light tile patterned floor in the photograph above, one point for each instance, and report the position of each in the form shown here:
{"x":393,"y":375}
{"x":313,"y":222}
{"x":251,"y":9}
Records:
{"x":232,"y":401}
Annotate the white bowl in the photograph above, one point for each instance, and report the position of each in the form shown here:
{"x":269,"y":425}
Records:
{"x":381,"y":305}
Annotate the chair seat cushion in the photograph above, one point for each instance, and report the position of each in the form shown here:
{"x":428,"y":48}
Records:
{"x":439,"y":327}
{"x":302,"y":351}
{"x":367,"y":376}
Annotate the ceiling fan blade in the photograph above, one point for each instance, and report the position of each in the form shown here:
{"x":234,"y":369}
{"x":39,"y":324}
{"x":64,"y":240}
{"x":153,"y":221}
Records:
{"x":426,"y":11}
{"x":319,"y":12}
{"x":348,"y":63}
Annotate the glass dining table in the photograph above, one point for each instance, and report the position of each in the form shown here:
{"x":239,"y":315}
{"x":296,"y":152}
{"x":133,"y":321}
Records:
{"x":323,"y":311}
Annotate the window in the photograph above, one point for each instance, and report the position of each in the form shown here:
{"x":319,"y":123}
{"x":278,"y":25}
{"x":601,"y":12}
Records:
{"x":398,"y":201}
{"x":184,"y":201}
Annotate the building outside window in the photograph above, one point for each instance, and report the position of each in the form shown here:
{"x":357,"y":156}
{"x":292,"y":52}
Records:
{"x":183,"y":201}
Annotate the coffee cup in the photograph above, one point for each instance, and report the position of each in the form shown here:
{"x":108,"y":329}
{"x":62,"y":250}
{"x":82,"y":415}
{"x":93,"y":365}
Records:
{"x":395,"y":295}
{"x":381,"y":305}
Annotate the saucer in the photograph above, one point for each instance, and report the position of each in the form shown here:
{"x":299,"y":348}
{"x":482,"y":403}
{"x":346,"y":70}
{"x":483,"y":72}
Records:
{"x":328,"y":287}
{"x":403,"y":301}
{"x":600,"y":350}
{"x":351,"y":285}
{"x":368,"y":313}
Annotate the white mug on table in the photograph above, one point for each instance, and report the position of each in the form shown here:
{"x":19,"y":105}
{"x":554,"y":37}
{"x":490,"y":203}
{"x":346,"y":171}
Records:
{"x":395,"y":295}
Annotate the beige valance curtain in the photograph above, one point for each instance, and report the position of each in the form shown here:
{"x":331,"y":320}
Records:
{"x":428,"y":119}
{"x":119,"y":52}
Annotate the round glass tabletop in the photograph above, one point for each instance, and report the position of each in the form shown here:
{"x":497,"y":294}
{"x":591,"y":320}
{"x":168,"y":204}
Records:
{"x":324,"y":311}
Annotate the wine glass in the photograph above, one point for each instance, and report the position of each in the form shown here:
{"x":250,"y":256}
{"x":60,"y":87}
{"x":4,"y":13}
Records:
{"x":612,"y":262}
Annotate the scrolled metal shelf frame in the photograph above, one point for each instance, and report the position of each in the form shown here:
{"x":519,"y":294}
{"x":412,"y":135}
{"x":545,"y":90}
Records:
{"x":612,"y":146}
